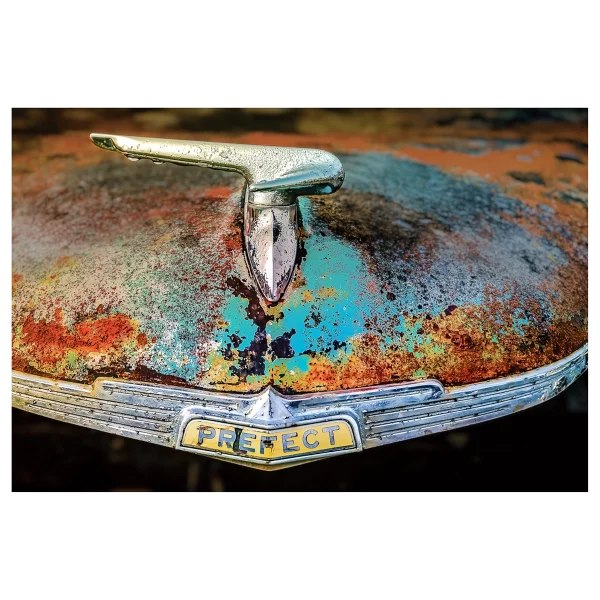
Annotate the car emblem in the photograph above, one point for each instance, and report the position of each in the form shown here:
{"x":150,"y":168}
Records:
{"x":275,"y":177}
{"x":269,"y":430}
{"x":268,"y":446}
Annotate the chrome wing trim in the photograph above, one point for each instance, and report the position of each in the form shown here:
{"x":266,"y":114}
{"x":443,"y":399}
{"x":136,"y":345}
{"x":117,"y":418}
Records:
{"x":381,"y":414}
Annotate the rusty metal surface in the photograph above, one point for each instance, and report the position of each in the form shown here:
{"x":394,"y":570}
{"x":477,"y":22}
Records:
{"x":459,"y":258}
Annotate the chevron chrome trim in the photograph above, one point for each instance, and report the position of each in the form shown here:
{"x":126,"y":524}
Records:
{"x":378,"y":415}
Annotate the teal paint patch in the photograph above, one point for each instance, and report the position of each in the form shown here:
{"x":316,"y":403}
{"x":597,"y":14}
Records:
{"x":236,"y":321}
{"x":334,"y":276}
{"x":295,"y":365}
{"x":518,"y":322}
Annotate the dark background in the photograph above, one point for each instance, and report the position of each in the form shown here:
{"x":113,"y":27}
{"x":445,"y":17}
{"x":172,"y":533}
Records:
{"x":27,"y":123}
{"x":541,"y":449}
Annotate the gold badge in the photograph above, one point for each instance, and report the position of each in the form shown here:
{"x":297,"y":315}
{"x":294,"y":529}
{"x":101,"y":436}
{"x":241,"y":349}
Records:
{"x":268,"y":445}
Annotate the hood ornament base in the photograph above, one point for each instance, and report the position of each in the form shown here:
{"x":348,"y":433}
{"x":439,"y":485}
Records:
{"x":275,"y":177}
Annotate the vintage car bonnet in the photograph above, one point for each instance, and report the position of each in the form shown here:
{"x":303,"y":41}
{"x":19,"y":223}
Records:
{"x":447,"y":259}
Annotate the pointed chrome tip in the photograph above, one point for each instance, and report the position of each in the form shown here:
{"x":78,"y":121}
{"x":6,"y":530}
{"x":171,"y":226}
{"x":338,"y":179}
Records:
{"x":271,"y":245}
{"x":273,"y":275}
{"x":267,"y":282}
{"x":269,"y":406}
{"x":271,"y":295}
{"x":105,"y":141}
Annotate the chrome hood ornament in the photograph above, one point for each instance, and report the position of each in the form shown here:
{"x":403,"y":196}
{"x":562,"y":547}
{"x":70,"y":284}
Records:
{"x":275,"y":177}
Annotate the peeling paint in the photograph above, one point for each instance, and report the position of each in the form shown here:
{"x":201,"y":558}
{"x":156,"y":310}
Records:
{"x":460,"y":260}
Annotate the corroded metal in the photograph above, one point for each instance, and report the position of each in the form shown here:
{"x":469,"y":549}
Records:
{"x":161,"y":414}
{"x":459,"y":259}
{"x":275,"y":176}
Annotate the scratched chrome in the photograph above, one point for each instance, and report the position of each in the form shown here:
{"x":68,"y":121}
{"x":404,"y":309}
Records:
{"x":275,"y":176}
{"x":378,"y":415}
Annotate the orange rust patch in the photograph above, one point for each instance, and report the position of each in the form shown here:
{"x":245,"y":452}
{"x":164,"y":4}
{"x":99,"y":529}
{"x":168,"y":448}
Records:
{"x":462,"y":345}
{"x":47,"y":342}
{"x":232,"y":239}
{"x":496,"y":166}
{"x":103,"y":334}
{"x":497,"y":163}
{"x":19,"y":362}
{"x":219,"y":192}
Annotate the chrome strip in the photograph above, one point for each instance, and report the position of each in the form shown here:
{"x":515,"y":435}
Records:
{"x":379,"y":414}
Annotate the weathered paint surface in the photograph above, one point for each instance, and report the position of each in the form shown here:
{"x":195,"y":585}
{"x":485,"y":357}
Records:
{"x":454,"y":258}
